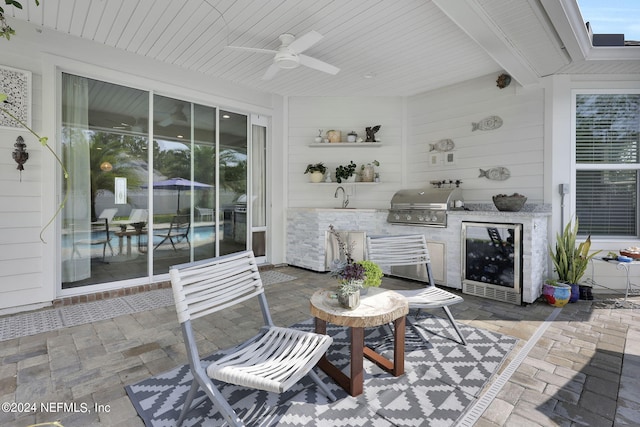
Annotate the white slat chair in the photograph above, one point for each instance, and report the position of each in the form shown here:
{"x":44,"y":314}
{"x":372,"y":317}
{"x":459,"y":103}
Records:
{"x":273,"y":360}
{"x":412,"y":250}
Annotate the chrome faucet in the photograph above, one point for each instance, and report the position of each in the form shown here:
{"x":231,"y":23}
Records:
{"x":345,"y":198}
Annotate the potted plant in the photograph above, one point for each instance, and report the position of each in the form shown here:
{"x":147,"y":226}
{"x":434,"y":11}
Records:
{"x":349,"y":293}
{"x":372,"y":275}
{"x":367,"y":172}
{"x":571,"y":262}
{"x":317,"y":171}
{"x":345,"y":173}
{"x":555,"y":293}
{"x":351,"y":277}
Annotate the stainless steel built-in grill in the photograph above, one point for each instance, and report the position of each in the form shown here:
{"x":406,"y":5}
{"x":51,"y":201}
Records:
{"x":424,"y":206}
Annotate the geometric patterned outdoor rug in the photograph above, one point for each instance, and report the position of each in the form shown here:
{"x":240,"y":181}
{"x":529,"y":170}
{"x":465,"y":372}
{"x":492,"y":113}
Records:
{"x":442,"y":379}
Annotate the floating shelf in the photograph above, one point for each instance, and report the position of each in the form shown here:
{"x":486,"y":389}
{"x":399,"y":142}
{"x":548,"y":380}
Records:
{"x":344,"y":183}
{"x":346,"y":144}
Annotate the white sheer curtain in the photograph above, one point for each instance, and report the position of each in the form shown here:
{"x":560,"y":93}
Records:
{"x":258,"y":175}
{"x":76,"y":259}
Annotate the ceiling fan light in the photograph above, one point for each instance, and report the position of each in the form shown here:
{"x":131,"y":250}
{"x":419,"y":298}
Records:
{"x":286,"y":60}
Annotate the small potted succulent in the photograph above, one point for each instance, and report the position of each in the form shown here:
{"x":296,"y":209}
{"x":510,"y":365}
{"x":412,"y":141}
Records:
{"x":351,"y":277}
{"x":346,"y":173}
{"x":316,"y":172}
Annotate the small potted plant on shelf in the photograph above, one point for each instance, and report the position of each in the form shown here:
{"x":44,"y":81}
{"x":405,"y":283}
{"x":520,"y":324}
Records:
{"x":571,"y":262}
{"x":316,"y":171}
{"x":368,"y":172}
{"x":346,"y":173}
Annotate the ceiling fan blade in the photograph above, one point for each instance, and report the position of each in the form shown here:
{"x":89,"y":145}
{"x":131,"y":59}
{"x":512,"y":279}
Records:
{"x":271,"y":72}
{"x":305,"y":42}
{"x":316,"y":64}
{"x":166,"y":122}
{"x":253,"y":49}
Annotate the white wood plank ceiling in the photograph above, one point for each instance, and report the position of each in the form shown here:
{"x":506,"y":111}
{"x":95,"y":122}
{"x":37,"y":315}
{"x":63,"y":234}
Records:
{"x":406,"y":46}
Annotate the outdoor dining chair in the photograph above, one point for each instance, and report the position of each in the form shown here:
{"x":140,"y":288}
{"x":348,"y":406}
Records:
{"x":178,"y":231}
{"x":135,"y":216}
{"x":412,"y":250}
{"x":99,"y":235}
{"x":108,"y":214}
{"x":273,"y":360}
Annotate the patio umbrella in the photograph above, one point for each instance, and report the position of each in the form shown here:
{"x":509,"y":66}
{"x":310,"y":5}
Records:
{"x":178,"y":184}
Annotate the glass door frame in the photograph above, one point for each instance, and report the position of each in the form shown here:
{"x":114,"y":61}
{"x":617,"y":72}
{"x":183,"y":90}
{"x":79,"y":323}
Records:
{"x":136,"y":83}
{"x":262,"y":122}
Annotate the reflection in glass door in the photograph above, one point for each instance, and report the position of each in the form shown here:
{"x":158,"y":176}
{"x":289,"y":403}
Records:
{"x":137,"y":206}
{"x":233,"y":181}
{"x":184,"y":183}
{"x":104,"y":148}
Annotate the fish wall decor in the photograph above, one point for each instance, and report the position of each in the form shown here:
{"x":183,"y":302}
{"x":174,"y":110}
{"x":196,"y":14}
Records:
{"x":498,"y":173}
{"x":442,"y":146}
{"x":488,"y":123}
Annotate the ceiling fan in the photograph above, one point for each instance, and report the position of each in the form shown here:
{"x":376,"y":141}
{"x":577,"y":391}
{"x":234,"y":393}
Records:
{"x":178,"y":114}
{"x":289,"y":54}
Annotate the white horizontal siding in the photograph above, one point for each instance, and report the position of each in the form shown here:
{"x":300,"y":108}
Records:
{"x":516,"y":145}
{"x":309,"y":114}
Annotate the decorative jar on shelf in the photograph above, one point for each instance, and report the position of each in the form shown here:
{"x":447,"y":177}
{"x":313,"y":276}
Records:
{"x":334,"y":135}
{"x":367,"y":174}
{"x":352,"y":136}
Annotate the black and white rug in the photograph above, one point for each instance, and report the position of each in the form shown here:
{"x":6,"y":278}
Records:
{"x":442,"y":378}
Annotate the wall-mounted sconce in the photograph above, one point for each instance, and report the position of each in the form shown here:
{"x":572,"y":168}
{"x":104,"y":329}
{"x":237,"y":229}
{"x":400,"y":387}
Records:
{"x":20,"y":154}
{"x":503,"y":81}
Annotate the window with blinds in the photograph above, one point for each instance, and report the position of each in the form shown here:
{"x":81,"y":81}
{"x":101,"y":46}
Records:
{"x":607,"y":127}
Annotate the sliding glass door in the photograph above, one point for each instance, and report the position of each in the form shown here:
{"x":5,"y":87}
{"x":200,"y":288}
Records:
{"x":233,"y":181}
{"x":154,"y":181}
{"x":104,"y":147}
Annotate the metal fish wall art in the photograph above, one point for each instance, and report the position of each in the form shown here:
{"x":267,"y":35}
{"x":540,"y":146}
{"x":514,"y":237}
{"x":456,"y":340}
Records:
{"x":498,"y":173}
{"x":488,"y":123}
{"x":442,"y":146}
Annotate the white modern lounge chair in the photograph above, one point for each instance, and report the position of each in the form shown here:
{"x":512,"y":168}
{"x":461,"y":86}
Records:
{"x":412,"y":250}
{"x":274,"y":360}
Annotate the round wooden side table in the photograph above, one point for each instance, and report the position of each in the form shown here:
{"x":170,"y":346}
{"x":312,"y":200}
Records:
{"x":378,"y":307}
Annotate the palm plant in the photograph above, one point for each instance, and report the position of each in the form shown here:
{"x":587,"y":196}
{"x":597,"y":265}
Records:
{"x":106,"y":148}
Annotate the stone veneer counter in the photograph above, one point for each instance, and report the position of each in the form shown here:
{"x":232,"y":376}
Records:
{"x":307,"y":228}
